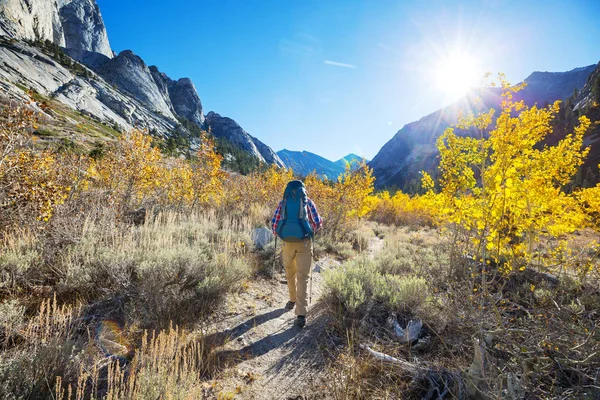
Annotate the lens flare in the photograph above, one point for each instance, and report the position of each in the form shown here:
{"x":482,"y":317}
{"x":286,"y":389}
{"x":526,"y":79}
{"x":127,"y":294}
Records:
{"x":111,"y":339}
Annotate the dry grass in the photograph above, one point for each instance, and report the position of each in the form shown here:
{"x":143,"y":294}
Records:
{"x":538,"y":332}
{"x":131,"y":284}
{"x":168,"y":364}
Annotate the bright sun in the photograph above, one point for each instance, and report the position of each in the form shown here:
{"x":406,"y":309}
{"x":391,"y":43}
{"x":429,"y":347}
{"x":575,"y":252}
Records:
{"x":456,"y":74}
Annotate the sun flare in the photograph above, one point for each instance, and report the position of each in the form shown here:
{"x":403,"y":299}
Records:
{"x":456,"y":74}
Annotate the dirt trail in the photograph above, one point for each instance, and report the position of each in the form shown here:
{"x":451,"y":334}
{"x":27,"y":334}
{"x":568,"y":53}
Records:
{"x":267,"y":356}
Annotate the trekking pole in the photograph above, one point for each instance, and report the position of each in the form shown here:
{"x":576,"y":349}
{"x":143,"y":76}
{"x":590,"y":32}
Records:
{"x":274,"y":257}
{"x":311,"y":270}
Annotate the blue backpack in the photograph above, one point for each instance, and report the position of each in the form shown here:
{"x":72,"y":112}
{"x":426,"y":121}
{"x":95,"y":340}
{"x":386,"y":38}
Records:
{"x":294,"y":225}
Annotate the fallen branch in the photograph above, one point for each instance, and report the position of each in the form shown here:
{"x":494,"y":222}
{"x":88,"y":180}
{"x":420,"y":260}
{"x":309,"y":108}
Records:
{"x":386,"y":358}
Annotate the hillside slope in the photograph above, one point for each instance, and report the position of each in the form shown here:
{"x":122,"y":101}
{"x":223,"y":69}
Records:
{"x":60,"y":49}
{"x":413,"y":149}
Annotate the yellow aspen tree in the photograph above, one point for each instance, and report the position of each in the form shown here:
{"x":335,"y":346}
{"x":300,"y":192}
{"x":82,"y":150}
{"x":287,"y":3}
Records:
{"x":505,"y":191}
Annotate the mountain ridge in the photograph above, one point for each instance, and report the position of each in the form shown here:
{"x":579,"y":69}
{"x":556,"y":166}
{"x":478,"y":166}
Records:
{"x":412,"y":148}
{"x":304,"y":162}
{"x":120,"y":90}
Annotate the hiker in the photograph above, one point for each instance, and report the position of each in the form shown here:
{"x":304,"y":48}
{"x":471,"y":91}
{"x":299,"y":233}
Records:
{"x":295,"y":221}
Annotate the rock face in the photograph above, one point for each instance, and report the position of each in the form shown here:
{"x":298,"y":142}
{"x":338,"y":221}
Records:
{"x":231,"y":130}
{"x":129,"y":73}
{"x":586,"y":94}
{"x":267,"y":153}
{"x":83,"y":28}
{"x":185,"y":100}
{"x":120,"y":90}
{"x":182,"y":96}
{"x":551,"y":86}
{"x":76,"y":25}
{"x":31,"y":20}
{"x":31,"y":68}
{"x":412,"y":149}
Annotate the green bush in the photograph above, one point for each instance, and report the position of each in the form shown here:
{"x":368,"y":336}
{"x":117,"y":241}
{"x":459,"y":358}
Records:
{"x":361,"y":238}
{"x":12,"y":317}
{"x":170,"y":270}
{"x":358,"y":281}
{"x":406,"y":293}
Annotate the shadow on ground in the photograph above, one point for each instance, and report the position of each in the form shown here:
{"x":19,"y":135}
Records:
{"x":220,"y":338}
{"x":299,"y":345}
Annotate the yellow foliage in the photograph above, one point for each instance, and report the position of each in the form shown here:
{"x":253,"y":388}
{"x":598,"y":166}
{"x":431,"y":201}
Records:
{"x":342,"y":202}
{"x":133,"y":171}
{"x":589,"y":200}
{"x":339,"y":203}
{"x":505,"y":191}
{"x":130,"y":170}
{"x":402,"y":209}
{"x":29,"y":180}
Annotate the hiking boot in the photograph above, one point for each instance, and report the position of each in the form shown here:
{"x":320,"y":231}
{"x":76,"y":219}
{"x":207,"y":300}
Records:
{"x":290,"y":305}
{"x":300,"y":321}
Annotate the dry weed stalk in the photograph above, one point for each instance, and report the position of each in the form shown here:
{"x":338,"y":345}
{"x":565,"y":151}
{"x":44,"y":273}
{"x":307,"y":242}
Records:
{"x":52,"y":321}
{"x":169,"y":364}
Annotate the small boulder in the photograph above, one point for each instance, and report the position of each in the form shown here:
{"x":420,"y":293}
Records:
{"x":262,"y":237}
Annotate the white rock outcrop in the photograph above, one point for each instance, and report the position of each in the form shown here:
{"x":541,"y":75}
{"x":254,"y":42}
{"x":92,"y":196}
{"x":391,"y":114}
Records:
{"x":76,"y":25}
{"x":116,"y":89}
{"x":31,"y":20}
{"x":28,"y":67}
{"x":83,"y":28}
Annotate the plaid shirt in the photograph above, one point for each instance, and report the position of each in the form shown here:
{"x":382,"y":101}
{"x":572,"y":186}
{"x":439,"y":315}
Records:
{"x":313,"y":216}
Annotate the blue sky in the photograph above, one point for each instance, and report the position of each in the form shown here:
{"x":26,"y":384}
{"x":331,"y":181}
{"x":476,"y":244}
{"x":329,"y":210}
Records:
{"x":340,"y":76}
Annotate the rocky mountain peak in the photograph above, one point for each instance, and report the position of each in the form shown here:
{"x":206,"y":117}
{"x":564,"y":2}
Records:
{"x":412,"y":148}
{"x":227,"y":128}
{"x":123,"y":91}
{"x":550,"y":86}
{"x":185,"y":100}
{"x":83,"y":27}
{"x":131,"y":74}
{"x":76,"y":25}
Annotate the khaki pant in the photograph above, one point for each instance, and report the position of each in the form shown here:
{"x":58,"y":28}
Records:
{"x":297,"y":259}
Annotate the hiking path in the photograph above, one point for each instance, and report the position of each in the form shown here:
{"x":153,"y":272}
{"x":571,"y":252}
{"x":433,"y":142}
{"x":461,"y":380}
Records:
{"x":265,"y":356}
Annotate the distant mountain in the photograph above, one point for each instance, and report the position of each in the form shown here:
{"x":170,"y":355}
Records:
{"x":60,"y":49}
{"x":412,"y":149}
{"x":304,"y":162}
{"x":351,"y":158}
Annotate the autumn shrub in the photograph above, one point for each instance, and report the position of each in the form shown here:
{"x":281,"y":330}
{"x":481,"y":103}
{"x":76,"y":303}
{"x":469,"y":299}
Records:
{"x":31,"y":185}
{"x":402,"y":209}
{"x":505,"y":191}
{"x":134,"y":174}
{"x":343,"y":202}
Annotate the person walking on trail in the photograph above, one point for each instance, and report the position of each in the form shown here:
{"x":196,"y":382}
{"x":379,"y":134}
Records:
{"x":295,"y":222}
